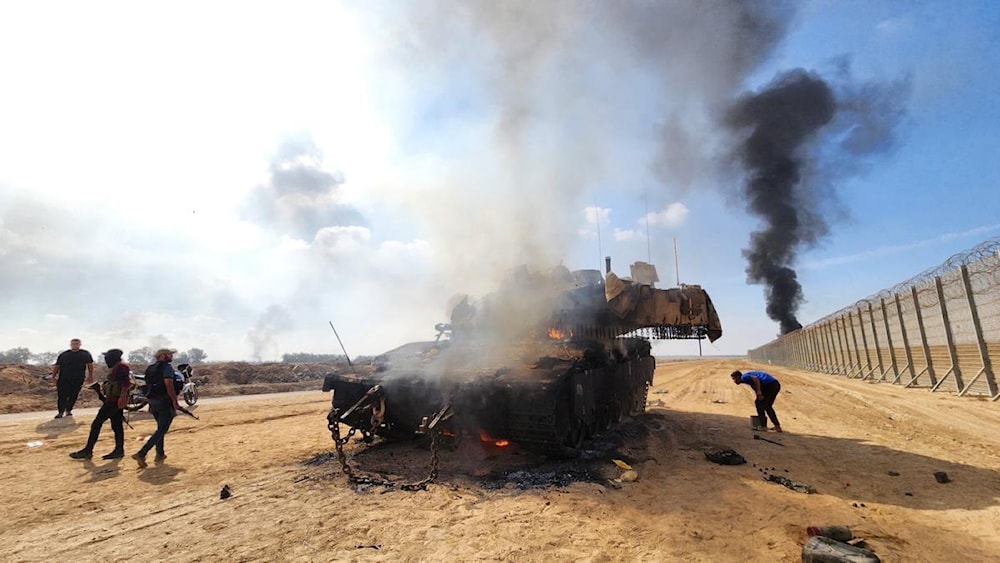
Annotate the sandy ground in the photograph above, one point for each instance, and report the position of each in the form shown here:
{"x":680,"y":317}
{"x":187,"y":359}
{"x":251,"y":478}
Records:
{"x":843,"y":437}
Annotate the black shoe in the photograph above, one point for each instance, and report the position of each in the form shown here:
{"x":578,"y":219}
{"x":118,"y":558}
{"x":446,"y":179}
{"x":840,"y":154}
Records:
{"x":69,"y":413}
{"x":160,"y":458}
{"x":60,"y":415}
{"x":117,"y":454}
{"x":82,"y":454}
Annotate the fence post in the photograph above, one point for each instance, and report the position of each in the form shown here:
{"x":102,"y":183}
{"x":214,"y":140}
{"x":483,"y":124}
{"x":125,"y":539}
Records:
{"x":864,"y":341}
{"x":878,"y":351}
{"x":854,"y":337}
{"x":906,"y":342}
{"x":923,"y":341}
{"x":838,"y":345}
{"x":813,"y":354}
{"x":844,"y":347}
{"x":984,"y":355}
{"x":888,"y":340}
{"x":952,"y":353}
{"x":827,"y":353}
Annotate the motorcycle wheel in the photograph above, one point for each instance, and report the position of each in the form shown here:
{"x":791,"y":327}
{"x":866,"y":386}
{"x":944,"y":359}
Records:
{"x":191,"y":397}
{"x":135,"y":404}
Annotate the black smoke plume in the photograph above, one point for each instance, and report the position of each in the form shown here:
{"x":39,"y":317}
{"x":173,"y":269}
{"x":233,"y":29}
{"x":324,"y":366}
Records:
{"x":780,"y":122}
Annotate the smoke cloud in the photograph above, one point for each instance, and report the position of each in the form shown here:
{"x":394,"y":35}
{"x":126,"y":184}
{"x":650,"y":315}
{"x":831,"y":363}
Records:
{"x":780,"y":121}
{"x":797,"y":138}
{"x":301,"y":197}
{"x":273,"y":321}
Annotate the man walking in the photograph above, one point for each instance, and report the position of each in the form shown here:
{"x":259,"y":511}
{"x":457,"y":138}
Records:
{"x":766,"y":386}
{"x":68,"y":375}
{"x":114,"y":392}
{"x":162,"y":404}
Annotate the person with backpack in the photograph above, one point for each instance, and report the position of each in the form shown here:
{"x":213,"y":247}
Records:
{"x":163,"y":404}
{"x":114,"y":392}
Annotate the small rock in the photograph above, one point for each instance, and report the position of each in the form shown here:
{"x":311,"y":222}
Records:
{"x":894,"y":473}
{"x":225,"y":493}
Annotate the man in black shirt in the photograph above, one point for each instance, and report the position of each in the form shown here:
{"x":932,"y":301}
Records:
{"x":68,"y":374}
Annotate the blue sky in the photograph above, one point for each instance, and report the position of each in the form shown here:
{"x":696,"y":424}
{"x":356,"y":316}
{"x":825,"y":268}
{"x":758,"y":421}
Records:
{"x":232,"y":178}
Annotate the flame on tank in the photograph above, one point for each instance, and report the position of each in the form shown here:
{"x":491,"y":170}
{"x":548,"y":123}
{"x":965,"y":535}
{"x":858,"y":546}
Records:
{"x":556,"y":334}
{"x":487,"y":439}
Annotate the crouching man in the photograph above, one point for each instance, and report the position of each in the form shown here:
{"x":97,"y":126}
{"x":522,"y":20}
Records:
{"x":115,"y":393}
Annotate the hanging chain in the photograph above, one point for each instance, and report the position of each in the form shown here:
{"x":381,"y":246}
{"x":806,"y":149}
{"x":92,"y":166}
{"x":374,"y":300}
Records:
{"x":333,"y":423}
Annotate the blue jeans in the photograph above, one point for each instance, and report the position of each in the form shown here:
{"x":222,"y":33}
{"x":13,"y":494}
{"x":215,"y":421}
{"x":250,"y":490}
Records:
{"x":163,"y":412}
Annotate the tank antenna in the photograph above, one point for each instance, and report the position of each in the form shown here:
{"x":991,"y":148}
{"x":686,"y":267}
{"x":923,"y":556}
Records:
{"x":677,"y":266}
{"x":649,"y":252}
{"x":341,"y":345}
{"x":597,"y":219}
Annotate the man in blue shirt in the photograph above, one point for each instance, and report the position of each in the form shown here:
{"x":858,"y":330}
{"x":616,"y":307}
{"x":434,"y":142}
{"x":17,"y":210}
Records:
{"x":766,"y":386}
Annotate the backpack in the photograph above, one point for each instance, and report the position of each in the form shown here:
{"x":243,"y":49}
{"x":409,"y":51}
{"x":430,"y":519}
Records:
{"x":154,"y":381}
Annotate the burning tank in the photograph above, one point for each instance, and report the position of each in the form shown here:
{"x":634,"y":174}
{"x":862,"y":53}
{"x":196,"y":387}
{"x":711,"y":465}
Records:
{"x":546,"y":361}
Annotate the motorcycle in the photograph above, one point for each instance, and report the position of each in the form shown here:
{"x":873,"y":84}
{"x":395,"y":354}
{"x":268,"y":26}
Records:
{"x":137,"y":398}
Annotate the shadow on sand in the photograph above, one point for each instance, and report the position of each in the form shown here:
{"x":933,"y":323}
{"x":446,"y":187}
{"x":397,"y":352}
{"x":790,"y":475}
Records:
{"x":54,"y":428}
{"x":850,"y":469}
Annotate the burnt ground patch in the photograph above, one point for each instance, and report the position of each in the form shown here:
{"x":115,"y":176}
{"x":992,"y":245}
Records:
{"x":471,"y":462}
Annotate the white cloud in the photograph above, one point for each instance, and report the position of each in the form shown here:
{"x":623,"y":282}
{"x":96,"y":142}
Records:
{"x":627,"y":235}
{"x":672,"y":215}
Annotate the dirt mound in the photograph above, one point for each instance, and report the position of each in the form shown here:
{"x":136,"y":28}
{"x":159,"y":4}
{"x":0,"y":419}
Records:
{"x":26,"y":388}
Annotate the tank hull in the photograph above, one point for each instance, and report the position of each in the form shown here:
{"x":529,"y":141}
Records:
{"x":545,"y":361}
{"x":546,"y":403}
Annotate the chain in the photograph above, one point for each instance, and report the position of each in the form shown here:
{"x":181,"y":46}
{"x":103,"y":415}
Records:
{"x":333,"y":423}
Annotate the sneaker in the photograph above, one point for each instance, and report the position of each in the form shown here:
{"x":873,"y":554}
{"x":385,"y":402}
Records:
{"x":82,"y":454}
{"x":160,"y":458}
{"x":117,"y":454}
{"x":60,"y":415}
{"x":140,"y":459}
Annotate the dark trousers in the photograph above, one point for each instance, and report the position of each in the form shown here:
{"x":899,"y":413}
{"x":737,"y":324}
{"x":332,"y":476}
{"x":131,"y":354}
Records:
{"x":108,"y":411}
{"x":67,"y":390}
{"x":766,"y":405}
{"x":163,"y":412}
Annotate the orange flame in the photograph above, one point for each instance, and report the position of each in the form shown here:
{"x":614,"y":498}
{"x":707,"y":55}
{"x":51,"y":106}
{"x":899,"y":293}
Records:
{"x":487,"y":439}
{"x":556,"y":334}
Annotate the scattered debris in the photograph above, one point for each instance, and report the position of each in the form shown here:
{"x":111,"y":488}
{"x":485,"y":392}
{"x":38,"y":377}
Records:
{"x":894,"y":473}
{"x":942,"y":477}
{"x":793,"y":485}
{"x":621,"y":464}
{"x":839,"y":533}
{"x":34,"y":443}
{"x":225,"y":493}
{"x":629,"y":476}
{"x":724,"y":457}
{"x":718,"y":401}
{"x":373,"y":546}
{"x":759,"y":437}
{"x":820,"y":548}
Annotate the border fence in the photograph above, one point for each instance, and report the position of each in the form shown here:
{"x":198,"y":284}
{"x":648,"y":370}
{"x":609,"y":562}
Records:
{"x":939,"y":329}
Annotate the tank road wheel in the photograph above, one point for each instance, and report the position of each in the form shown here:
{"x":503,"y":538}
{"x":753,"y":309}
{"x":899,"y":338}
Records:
{"x":590,"y":428}
{"x":616,"y":412}
{"x":603,"y":418}
{"x":574,"y":438}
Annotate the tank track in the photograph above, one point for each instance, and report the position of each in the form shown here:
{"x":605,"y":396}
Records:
{"x":535,"y":428}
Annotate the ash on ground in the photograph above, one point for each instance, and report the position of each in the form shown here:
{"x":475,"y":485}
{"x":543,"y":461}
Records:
{"x":470,"y":461}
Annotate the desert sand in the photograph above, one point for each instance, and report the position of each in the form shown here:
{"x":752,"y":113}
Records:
{"x":869,"y":450}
